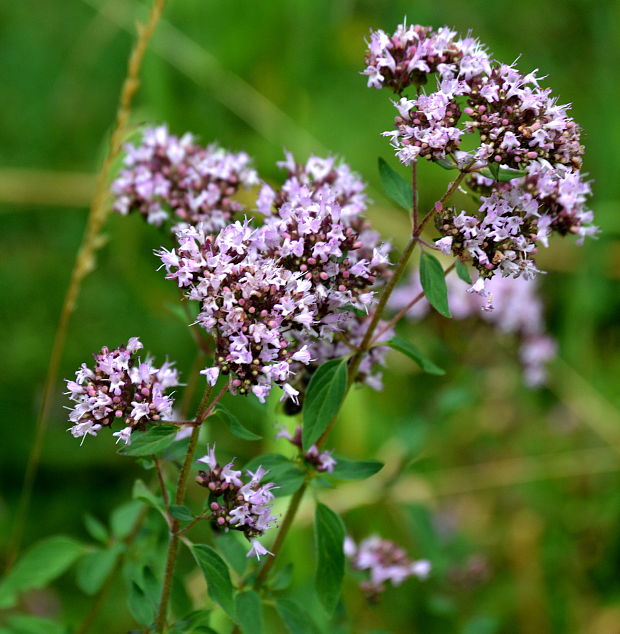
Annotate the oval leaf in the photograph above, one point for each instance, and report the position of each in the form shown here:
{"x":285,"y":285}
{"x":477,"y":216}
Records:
{"x":295,"y":618}
{"x":41,"y":564}
{"x":395,"y":186}
{"x":409,"y":350}
{"x":215,"y":571}
{"x":234,"y":425}
{"x":150,"y":442}
{"x":142,"y":610}
{"x":329,"y":539}
{"x":93,"y":569}
{"x":434,"y":283}
{"x":249,"y":612}
{"x":345,"y":469}
{"x":462,"y":272}
{"x":324,"y":396}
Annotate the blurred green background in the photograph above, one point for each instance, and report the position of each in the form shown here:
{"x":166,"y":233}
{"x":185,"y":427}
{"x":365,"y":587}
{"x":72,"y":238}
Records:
{"x":513,"y":494}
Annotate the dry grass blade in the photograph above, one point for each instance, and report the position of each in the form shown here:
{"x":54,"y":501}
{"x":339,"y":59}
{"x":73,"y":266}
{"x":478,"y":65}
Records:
{"x":84,"y":263}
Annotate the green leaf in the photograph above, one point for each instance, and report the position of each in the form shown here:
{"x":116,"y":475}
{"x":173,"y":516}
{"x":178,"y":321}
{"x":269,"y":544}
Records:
{"x":409,"y":350}
{"x":448,"y":163}
{"x":93,"y":569}
{"x":181,"y":512}
{"x":215,"y":570}
{"x":30,"y":624}
{"x":285,"y":473}
{"x":41,"y":564}
{"x":124,"y":518}
{"x":234,"y":425}
{"x":282,"y":580}
{"x":325,"y":393}
{"x":358,"y":312}
{"x":294,"y":617}
{"x":95,"y":528}
{"x":233,"y":550}
{"x":434,"y":283}
{"x":329,"y":539}
{"x":249,"y":612}
{"x":141,"y":608}
{"x":462,"y":272}
{"x":346,"y":469}
{"x":501,"y":174}
{"x":395,"y":186}
{"x":180,"y":601}
{"x":150,"y":442}
{"x":142,"y":493}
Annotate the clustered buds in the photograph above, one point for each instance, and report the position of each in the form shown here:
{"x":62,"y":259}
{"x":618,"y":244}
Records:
{"x":412,"y":53}
{"x":167,"y":178}
{"x":121,"y":388}
{"x":319,"y":460}
{"x":235,"y":505}
{"x":268,"y":293}
{"x":384,"y":561}
{"x":518,"y":310}
{"x":528,"y":155}
{"x":248,"y":301}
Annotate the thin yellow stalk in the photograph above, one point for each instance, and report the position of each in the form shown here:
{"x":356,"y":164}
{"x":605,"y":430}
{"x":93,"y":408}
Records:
{"x":84,"y":264}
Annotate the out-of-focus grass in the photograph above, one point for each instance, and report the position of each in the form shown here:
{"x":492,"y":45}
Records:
{"x":526,"y":481}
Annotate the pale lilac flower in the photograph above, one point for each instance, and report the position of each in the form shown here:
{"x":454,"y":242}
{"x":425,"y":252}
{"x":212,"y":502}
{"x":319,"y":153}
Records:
{"x":517,"y":310}
{"x":120,"y":388}
{"x":320,"y":460}
{"x":385,"y":562}
{"x":167,"y":178}
{"x":235,"y":505}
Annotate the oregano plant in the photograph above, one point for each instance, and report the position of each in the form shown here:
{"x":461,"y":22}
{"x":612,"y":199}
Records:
{"x":293,"y":298}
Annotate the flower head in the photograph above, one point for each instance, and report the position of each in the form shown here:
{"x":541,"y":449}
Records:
{"x":235,"y":504}
{"x":385,"y":562}
{"x":167,"y":178}
{"x":121,"y":388}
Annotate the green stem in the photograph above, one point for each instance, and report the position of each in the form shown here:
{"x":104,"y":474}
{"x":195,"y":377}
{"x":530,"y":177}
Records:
{"x":284,"y":528}
{"x":357,"y":358}
{"x":204,"y":411}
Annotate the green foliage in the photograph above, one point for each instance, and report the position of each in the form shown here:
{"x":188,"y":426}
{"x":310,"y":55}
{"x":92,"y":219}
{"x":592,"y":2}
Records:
{"x":234,"y":551}
{"x":181,"y":512}
{"x":40,"y":565}
{"x":294,"y":617}
{"x":346,"y":469}
{"x":215,"y":571}
{"x":144,"y":494}
{"x":93,"y":568}
{"x":395,"y":186}
{"x":501,"y":174}
{"x":234,"y":424}
{"x":324,"y":396}
{"x":462,"y":272}
{"x":29,"y":624}
{"x":95,"y":528}
{"x":140,"y":605}
{"x":329,"y":539}
{"x":152,"y":441}
{"x":409,"y":350}
{"x":249,"y":612}
{"x":434,"y":283}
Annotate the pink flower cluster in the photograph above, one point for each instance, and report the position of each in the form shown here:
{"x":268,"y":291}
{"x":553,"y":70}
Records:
{"x":235,"y":504}
{"x":528,"y":155}
{"x":413,"y":52}
{"x":269,"y":293}
{"x":320,"y":460}
{"x":518,"y":310}
{"x":122,"y":388}
{"x":384,"y":561}
{"x":250,"y":303}
{"x":167,"y":178}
